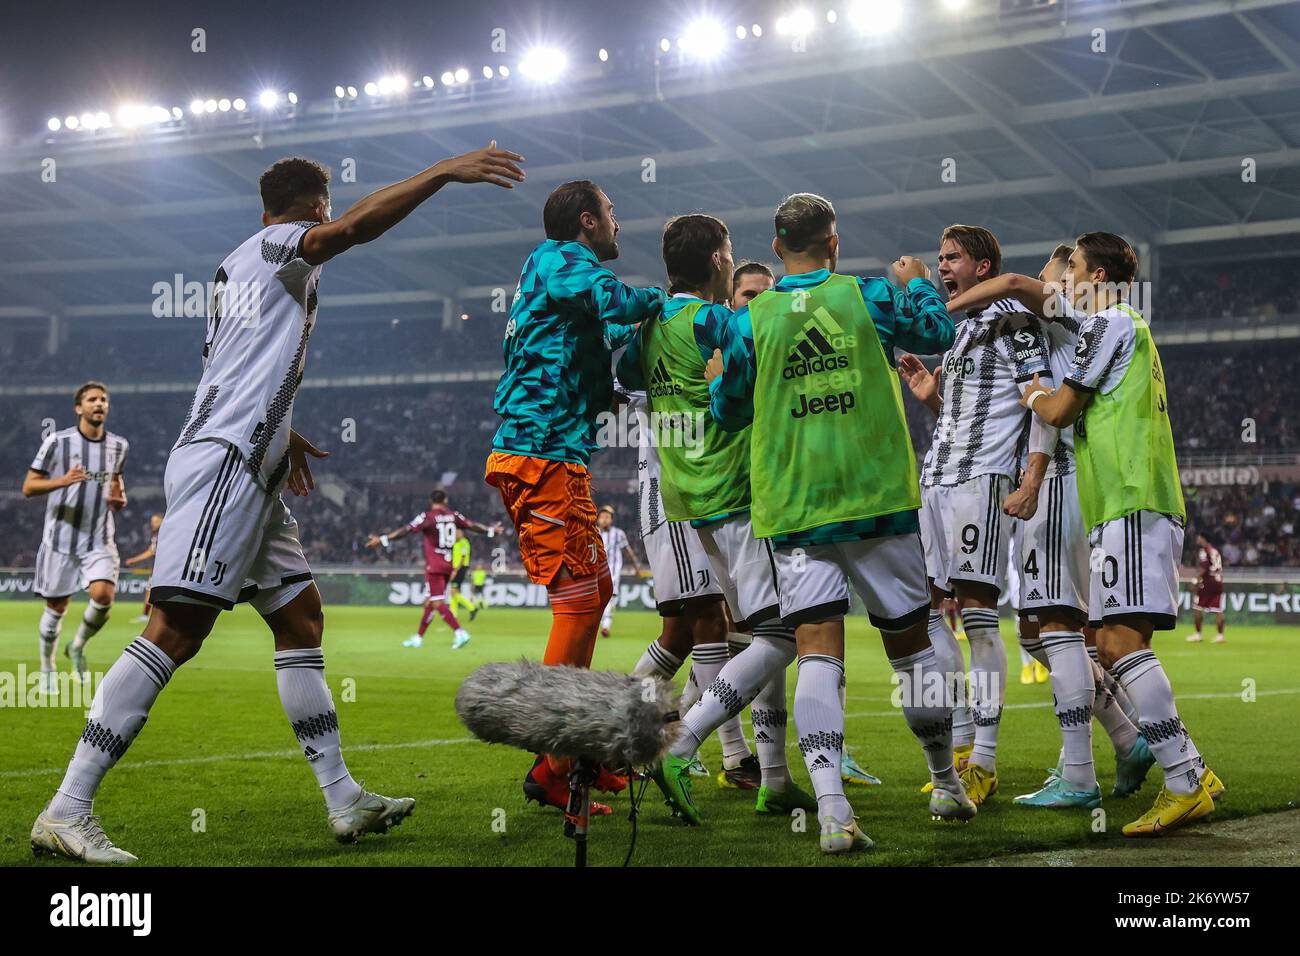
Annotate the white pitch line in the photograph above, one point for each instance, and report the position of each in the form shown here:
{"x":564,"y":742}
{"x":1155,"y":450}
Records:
{"x":1037,"y":704}
{"x":263,"y":755}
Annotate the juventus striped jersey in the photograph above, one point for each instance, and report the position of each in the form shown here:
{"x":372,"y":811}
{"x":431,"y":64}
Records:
{"x":982,"y":425}
{"x":1062,"y":339}
{"x":615,"y":540}
{"x":77,"y":518}
{"x":260,"y":315}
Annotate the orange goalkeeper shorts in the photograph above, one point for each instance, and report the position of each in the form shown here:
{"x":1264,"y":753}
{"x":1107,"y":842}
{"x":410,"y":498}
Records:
{"x":554,"y":516}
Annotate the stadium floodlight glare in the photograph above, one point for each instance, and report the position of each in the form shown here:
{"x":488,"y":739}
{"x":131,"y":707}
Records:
{"x":603,"y":55}
{"x":55,"y":124}
{"x":223,"y":104}
{"x":956,"y":6}
{"x":209,"y":106}
{"x":88,"y":121}
{"x":504,"y":71}
{"x":239,"y":103}
{"x":665,"y":44}
{"x":756,"y":30}
{"x":352,"y":92}
{"x":831,"y":16}
{"x":388,"y":84}
{"x":796,"y":23}
{"x":741,"y":33}
{"x":196,"y":107}
{"x":876,"y":16}
{"x":427,"y":81}
{"x":371,"y":88}
{"x":487,"y":73}
{"x":704,"y":39}
{"x":448,"y":78}
{"x":339,"y":92}
{"x":268,"y":98}
{"x":177,"y":113}
{"x":293,"y":97}
{"x":543,"y":64}
{"x":462,"y":75}
{"x":72,"y":122}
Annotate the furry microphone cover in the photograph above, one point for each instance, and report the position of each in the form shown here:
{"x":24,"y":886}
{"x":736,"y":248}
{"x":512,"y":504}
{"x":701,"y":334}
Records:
{"x":611,"y":718}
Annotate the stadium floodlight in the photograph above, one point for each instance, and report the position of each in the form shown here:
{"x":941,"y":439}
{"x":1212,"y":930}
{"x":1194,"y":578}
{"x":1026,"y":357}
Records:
{"x":239,"y":103}
{"x":352,"y":92}
{"x":956,"y":6}
{"x":462,"y":75}
{"x":160,"y":114}
{"x":103,"y":120}
{"x":448,"y":78}
{"x":796,"y":23}
{"x":603,"y":55}
{"x":293,"y":98}
{"x":756,"y":30}
{"x":223,"y":104}
{"x":196,"y":107}
{"x":665,"y":44}
{"x":72,"y":122}
{"x":88,"y":121}
{"x":177,"y":113}
{"x":387,"y":85}
{"x":487,"y":73}
{"x":130,"y":115}
{"x":427,"y":81}
{"x":831,"y":16}
{"x":339,"y":92}
{"x":55,"y":124}
{"x":704,"y":39}
{"x":209,"y":106}
{"x":268,"y":98}
{"x":504,"y":71}
{"x":741,"y":33}
{"x":371,"y":88}
{"x":543,"y":64}
{"x":876,"y":16}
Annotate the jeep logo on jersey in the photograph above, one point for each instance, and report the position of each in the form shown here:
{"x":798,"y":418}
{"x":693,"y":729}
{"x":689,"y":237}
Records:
{"x":816,"y":345}
{"x":959,"y":365}
{"x":842,"y":403}
{"x":661,"y":383}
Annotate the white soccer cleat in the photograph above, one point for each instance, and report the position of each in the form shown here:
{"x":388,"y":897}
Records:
{"x":1218,"y":639}
{"x":1194,"y":638}
{"x":837,"y":837}
{"x":369,"y":813}
{"x":49,"y":684}
{"x":460,"y":640}
{"x":415,"y":640}
{"x":80,"y":839}
{"x":950,"y":805}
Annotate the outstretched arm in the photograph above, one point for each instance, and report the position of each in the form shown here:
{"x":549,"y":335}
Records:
{"x":1058,"y":408}
{"x":1031,"y":293}
{"x":384,"y":208}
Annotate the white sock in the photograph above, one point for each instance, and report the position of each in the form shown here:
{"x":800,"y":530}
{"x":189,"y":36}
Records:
{"x":736,"y":684}
{"x":1123,"y":733}
{"x":931,"y":720}
{"x":94,"y":618}
{"x":1033,"y":648}
{"x":731,"y":734}
{"x":690,"y":693}
{"x":50,"y":626}
{"x":737,"y":642}
{"x":1074,"y":691}
{"x":1119,"y":693}
{"x":819,"y":720}
{"x":988,"y":676}
{"x":657,"y":662}
{"x":769,"y":715}
{"x":945,"y":644}
{"x":1142,"y":675}
{"x":306,"y":699}
{"x":708,"y":661}
{"x":117,"y":714}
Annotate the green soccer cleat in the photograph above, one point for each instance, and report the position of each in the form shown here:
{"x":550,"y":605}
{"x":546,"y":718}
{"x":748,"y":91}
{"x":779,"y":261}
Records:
{"x":951,"y":805}
{"x":851,"y":772}
{"x":673,"y":777}
{"x":1057,"y":794}
{"x":784,"y":802}
{"x":839,"y":837}
{"x":1131,"y":770}
{"x":78,"y":657}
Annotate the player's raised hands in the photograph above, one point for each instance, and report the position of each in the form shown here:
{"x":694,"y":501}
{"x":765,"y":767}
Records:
{"x":907,"y":268}
{"x":73,"y":476}
{"x":300,"y":481}
{"x":714,"y":367}
{"x":486,"y":165}
{"x":923,"y":383}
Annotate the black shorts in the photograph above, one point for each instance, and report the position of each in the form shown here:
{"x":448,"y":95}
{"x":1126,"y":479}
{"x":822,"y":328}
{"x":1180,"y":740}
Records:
{"x":458,"y":578}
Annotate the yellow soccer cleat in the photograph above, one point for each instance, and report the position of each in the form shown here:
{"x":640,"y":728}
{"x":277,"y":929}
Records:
{"x":1212,"y":784}
{"x":1170,"y":811}
{"x":1027,"y":673}
{"x":980,"y":784}
{"x":960,"y":758}
{"x":1041,"y":674}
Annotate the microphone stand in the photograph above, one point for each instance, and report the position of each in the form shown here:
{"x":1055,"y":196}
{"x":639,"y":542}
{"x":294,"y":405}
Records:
{"x":577,"y":815}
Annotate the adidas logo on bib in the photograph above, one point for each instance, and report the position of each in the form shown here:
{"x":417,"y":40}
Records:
{"x":661,"y":383}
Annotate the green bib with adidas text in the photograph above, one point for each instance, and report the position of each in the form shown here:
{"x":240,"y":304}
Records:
{"x":704,"y":471}
{"x":830,"y":441}
{"x":1124,"y":444}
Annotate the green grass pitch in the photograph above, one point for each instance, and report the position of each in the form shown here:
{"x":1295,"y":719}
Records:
{"x":217,"y":742}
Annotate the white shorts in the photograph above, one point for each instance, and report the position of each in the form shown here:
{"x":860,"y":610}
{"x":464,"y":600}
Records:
{"x":59,"y":575}
{"x":223,"y":539}
{"x":744,"y":569}
{"x":679,"y":565}
{"x":1135,"y":569}
{"x":1051,"y":550}
{"x":965,"y":531}
{"x":888,"y":574}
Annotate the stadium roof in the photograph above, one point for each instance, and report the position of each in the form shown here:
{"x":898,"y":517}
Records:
{"x":1046,"y":138}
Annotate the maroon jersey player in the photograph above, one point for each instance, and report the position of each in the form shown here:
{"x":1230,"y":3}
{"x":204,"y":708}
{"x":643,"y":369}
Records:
{"x":1209,"y":588}
{"x":438,"y":526}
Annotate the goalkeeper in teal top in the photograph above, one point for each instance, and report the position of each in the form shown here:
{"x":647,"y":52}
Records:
{"x":1130,"y":495}
{"x":835,"y":488}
